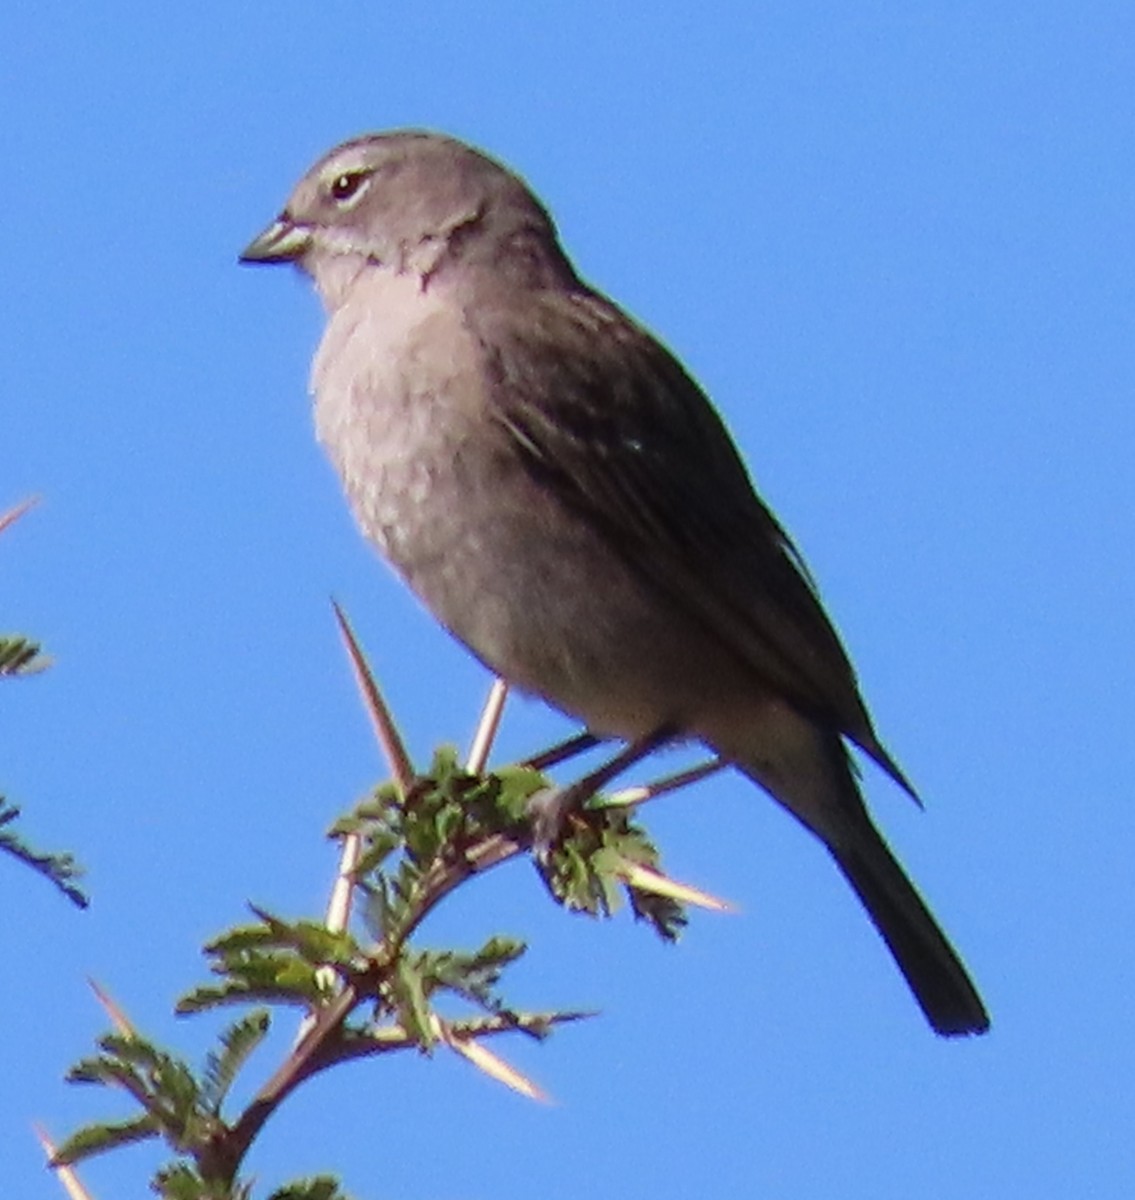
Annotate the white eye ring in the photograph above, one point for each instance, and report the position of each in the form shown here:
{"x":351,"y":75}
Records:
{"x":345,"y":186}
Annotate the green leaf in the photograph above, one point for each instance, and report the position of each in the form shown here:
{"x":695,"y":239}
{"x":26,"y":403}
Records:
{"x":311,"y":940}
{"x":18,"y":656}
{"x":61,"y":869}
{"x":263,"y":979}
{"x":405,"y":993}
{"x":202,"y":999}
{"x":162,"y":1084}
{"x":583,"y":871}
{"x":238,"y":1042}
{"x":517,"y":786}
{"x":320,"y":1187}
{"x":274,"y":961}
{"x":446,"y":765}
{"x":179,"y":1181}
{"x":96,"y":1139}
{"x":663,"y":912}
{"x":473,"y":976}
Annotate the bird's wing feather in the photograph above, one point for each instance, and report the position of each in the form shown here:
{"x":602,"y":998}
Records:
{"x":602,"y":413}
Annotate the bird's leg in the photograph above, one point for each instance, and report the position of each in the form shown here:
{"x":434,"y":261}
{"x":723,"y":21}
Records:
{"x":562,"y":751}
{"x":550,"y":808}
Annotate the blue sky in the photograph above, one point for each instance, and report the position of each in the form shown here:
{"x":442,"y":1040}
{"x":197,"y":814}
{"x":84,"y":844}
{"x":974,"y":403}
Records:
{"x":895,"y":244}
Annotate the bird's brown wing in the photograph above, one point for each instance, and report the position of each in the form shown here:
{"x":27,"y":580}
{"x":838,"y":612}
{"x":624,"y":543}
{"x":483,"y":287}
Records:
{"x":602,"y":413}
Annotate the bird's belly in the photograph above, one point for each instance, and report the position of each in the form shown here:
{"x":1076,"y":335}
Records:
{"x":539,"y":597}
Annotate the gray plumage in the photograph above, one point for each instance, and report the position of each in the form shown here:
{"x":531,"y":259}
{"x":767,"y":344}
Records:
{"x":563,"y":497}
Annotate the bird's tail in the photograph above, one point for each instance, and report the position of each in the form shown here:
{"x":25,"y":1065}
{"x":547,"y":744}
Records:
{"x":814,"y":780}
{"x":936,"y":976}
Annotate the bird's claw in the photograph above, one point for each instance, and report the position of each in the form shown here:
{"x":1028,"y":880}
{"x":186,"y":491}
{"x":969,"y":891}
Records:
{"x":549,"y":811}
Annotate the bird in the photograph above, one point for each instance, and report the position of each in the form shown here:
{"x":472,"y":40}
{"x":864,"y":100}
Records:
{"x":561,"y":494}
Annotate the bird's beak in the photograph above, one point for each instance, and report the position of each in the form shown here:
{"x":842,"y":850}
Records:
{"x":282,"y":241}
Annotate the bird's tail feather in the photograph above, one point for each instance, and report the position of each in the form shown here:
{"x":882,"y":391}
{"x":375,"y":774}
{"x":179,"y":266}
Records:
{"x":806,"y":768}
{"x":930,"y":964}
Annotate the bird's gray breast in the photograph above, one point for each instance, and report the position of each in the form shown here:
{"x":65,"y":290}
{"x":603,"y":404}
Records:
{"x":396,"y":398}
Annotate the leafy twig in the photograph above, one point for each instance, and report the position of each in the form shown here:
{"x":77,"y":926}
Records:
{"x":61,"y":869}
{"x":416,"y":839}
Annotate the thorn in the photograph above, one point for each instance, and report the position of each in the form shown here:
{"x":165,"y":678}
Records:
{"x":485,"y":1060}
{"x":669,"y":783}
{"x":339,"y":906}
{"x":338,"y":916}
{"x":65,"y":1174}
{"x":487,"y":727}
{"x":649,"y":880}
{"x":16,"y":512}
{"x":384,"y":727}
{"x":118,"y":1017}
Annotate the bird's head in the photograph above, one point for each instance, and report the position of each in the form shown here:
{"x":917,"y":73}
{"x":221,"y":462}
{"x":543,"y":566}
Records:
{"x":412,"y":203}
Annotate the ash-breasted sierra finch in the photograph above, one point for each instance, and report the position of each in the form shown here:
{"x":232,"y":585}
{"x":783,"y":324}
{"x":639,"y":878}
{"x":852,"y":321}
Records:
{"x":562,"y":496}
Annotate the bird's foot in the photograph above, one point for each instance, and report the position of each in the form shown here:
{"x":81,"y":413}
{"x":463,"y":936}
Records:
{"x":551,"y":809}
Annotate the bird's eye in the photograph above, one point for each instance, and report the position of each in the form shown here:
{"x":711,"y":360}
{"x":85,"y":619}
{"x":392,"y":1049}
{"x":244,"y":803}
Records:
{"x":344,"y":186}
